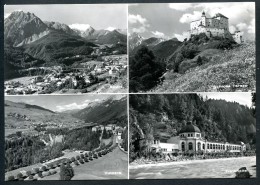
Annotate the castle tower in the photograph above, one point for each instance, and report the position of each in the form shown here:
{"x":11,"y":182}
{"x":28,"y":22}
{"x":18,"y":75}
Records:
{"x":203,"y":18}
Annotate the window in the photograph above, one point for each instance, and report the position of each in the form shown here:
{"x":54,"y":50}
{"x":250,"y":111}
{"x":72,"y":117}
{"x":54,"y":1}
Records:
{"x":210,"y":146}
{"x":199,"y":146}
{"x":214,"y":146}
{"x":203,"y":146}
{"x":190,"y":146}
{"x":207,"y":146}
{"x":183,"y":146}
{"x":197,"y":135}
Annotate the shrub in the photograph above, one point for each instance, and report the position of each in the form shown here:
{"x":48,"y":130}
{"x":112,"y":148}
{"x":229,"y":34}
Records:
{"x":11,"y":178}
{"x":81,"y":161}
{"x":66,"y":172}
{"x":95,"y":156}
{"x":40,"y":174}
{"x":76,"y":163}
{"x":50,"y":166}
{"x":86,"y":159}
{"x":86,"y":154}
{"x":72,"y":159}
{"x":28,"y":173}
{"x":81,"y":156}
{"x":19,"y":176}
{"x":43,"y":168}
{"x":77,"y":157}
{"x":36,"y":170}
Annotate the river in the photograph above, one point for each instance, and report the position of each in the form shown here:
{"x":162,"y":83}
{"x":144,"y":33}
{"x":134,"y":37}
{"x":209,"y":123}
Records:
{"x":211,"y":168}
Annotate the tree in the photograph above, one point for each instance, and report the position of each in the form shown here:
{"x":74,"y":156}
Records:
{"x":199,"y":60}
{"x":145,"y":71}
{"x":66,"y":172}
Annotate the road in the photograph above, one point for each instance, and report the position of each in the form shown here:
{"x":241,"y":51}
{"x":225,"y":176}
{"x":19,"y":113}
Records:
{"x":114,"y":165}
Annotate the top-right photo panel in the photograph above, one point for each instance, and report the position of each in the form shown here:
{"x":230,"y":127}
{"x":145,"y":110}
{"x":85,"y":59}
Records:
{"x":192,"y":47}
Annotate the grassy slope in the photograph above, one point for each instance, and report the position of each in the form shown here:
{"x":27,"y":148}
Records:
{"x":35,"y":113}
{"x":233,"y":67}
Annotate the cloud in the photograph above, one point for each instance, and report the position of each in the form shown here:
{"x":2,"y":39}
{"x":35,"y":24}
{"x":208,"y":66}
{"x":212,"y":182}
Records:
{"x":141,"y":23}
{"x":180,"y":6}
{"x":136,"y":19}
{"x":81,"y":27}
{"x":71,"y":106}
{"x":139,"y":30}
{"x":158,"y":34}
{"x":242,"y":26}
{"x":182,"y":36}
{"x":6,"y":15}
{"x":110,"y":28}
{"x":187,"y":17}
{"x":232,"y":29}
{"x":251,"y":27}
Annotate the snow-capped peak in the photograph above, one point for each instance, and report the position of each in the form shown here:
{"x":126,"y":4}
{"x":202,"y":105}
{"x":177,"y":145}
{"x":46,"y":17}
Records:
{"x":80,"y":27}
{"x":110,"y":28}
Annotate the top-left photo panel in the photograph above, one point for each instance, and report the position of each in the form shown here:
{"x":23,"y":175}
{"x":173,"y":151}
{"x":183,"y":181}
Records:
{"x":65,"y":49}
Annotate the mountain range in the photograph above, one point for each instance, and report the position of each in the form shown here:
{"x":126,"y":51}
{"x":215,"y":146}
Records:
{"x":31,"y":42}
{"x":19,"y":114}
{"x":162,"y":48}
{"x":22,"y":28}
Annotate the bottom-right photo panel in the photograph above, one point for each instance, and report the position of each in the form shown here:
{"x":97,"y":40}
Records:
{"x":192,"y":135}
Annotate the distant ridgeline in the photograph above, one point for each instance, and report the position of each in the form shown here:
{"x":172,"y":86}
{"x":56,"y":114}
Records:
{"x":161,"y":117}
{"x":217,"y":25}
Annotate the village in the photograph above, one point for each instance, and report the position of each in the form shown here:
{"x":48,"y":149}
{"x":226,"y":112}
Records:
{"x":86,"y":77}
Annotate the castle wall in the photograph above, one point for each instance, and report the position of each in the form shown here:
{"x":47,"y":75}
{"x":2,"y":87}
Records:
{"x":195,"y":24}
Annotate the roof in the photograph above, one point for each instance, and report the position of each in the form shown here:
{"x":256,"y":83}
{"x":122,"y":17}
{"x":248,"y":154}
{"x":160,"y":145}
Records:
{"x":190,"y":128}
{"x":220,"y":15}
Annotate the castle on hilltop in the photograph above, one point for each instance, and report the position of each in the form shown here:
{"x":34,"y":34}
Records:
{"x":217,"y":25}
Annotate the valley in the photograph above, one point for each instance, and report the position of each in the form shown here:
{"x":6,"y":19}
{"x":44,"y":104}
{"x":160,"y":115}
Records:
{"x":60,"y":59}
{"x":36,"y":136}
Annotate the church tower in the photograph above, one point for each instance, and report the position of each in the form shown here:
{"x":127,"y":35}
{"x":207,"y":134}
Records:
{"x":203,"y":19}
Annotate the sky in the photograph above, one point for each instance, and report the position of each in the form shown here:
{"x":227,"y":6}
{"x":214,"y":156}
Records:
{"x":60,"y":103}
{"x":173,"y":20}
{"x":98,"y":16}
{"x":243,"y":98}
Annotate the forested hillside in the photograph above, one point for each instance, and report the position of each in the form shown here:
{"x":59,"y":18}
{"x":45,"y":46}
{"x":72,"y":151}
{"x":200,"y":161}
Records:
{"x":162,"y":116}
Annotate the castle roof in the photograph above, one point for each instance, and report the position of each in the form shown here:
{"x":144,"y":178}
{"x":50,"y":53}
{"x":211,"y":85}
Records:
{"x":190,"y":128}
{"x":220,"y":15}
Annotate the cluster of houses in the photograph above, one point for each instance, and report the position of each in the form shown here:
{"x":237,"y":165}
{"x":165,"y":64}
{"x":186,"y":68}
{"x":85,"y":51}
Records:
{"x":110,"y":67}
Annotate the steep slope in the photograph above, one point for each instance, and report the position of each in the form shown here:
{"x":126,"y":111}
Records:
{"x":104,"y":111}
{"x":20,"y":26}
{"x":166,"y":48}
{"x":58,"y":45}
{"x":134,"y":40}
{"x":15,"y":60}
{"x":165,"y":115}
{"x":220,"y":71}
{"x":23,"y":115}
{"x":34,"y":108}
{"x":60,"y":27}
{"x":106,"y":37}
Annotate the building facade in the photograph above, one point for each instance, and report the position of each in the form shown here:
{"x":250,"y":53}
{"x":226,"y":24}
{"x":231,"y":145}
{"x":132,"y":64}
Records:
{"x":190,"y":140}
{"x":216,"y":26}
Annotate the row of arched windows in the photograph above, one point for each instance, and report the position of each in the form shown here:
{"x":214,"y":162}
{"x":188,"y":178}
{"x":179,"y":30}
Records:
{"x":210,"y":146}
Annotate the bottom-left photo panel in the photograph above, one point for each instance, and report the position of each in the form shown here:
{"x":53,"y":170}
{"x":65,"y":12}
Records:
{"x":66,"y":137}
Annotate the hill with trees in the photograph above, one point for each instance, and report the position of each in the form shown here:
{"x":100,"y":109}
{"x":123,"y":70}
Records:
{"x":198,"y":64}
{"x":163,"y":115}
{"x":144,"y":71}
